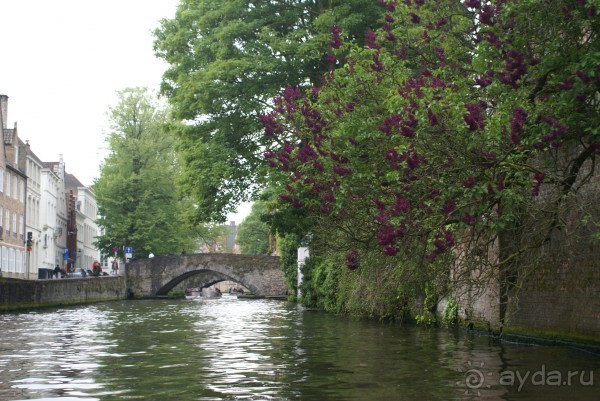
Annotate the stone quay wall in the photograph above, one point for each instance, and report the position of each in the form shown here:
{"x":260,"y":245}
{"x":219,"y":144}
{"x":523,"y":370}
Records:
{"x":18,"y":294}
{"x":561,"y":294}
{"x":557,"y":293}
{"x":563,"y":297}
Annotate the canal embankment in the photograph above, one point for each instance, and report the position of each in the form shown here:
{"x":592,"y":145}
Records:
{"x":18,"y":294}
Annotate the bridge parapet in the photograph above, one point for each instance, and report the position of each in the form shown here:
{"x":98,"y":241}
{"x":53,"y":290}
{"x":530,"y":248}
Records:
{"x":158,"y":275}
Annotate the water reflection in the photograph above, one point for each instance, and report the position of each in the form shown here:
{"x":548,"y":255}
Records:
{"x":230,"y":349}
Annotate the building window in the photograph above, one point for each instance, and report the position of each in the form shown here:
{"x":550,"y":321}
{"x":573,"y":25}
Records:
{"x":20,"y":268}
{"x":7,"y":225}
{"x":11,"y":260}
{"x":15,"y":187}
{"x":14,"y":226}
{"x":4,"y":258}
{"x":8,"y":181}
{"x":1,"y":180}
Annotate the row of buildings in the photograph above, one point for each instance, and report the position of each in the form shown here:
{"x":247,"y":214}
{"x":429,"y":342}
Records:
{"x":47,"y":217}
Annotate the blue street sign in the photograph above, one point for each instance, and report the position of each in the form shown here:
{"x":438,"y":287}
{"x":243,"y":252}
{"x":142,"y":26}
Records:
{"x":128,"y":251}
{"x":66,"y":254}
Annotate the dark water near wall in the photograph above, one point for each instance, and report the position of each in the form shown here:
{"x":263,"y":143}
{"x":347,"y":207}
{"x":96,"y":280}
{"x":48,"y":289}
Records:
{"x":230,"y":349}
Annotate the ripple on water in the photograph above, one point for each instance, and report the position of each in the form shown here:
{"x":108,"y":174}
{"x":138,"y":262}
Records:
{"x":229,"y":349}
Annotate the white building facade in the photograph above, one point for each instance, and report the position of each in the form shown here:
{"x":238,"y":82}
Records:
{"x":43,"y":212}
{"x":54,"y":212}
{"x":33,"y":223}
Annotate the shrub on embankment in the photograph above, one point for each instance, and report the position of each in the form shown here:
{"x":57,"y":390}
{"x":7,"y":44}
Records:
{"x":379,"y":289}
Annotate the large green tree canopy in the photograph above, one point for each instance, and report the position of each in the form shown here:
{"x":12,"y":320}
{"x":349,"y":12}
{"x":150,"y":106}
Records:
{"x":138,"y":202}
{"x":227,"y":59}
{"x":455,"y":123}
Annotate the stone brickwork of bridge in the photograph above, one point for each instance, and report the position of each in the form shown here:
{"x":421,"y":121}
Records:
{"x":157,"y":276}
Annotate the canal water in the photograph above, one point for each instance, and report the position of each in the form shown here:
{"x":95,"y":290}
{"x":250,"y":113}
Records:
{"x":233,"y":349}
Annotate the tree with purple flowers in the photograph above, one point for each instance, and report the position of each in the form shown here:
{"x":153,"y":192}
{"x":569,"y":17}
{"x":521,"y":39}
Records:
{"x":457,"y":140}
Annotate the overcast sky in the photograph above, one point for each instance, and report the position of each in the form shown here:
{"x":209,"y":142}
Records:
{"x":61,"y":63}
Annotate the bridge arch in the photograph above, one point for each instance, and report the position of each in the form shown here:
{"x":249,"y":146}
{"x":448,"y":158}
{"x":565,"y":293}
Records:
{"x":204,"y":278}
{"x":157,"y":276}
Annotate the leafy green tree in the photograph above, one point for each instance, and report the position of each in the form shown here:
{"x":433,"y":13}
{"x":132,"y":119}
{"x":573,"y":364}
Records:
{"x":287,"y":247}
{"x":227,"y":59}
{"x":138,"y":201}
{"x":461,"y":132}
{"x":253,"y":233}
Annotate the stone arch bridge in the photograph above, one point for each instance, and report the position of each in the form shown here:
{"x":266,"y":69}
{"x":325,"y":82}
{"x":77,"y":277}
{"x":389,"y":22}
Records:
{"x":157,"y":276}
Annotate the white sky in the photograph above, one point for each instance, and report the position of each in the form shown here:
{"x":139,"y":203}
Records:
{"x":61,"y":63}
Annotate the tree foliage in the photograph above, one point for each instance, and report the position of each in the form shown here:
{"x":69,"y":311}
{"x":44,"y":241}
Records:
{"x":227,"y":59}
{"x":138,"y":202}
{"x":457,"y":125}
{"x":253,"y":233}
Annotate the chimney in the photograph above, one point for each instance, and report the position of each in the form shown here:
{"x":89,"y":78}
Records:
{"x":4,"y":109}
